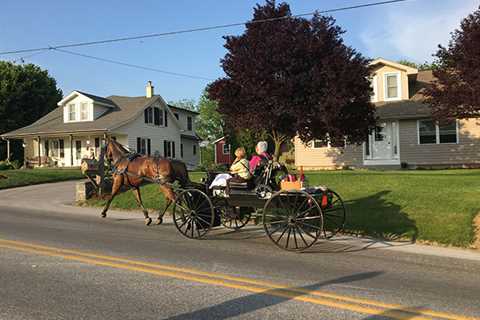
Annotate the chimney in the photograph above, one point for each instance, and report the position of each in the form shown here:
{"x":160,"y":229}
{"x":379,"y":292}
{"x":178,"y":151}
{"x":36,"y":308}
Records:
{"x":149,"y":89}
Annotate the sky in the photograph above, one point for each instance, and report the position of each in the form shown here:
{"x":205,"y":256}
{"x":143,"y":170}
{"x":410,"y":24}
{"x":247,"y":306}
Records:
{"x":407,"y":30}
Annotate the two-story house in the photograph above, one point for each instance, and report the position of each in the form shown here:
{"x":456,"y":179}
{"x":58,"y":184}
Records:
{"x":78,"y":127}
{"x":405,"y":134}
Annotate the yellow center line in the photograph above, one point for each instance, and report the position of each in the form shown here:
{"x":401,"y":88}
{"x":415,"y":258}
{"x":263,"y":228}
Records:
{"x":251,"y":285}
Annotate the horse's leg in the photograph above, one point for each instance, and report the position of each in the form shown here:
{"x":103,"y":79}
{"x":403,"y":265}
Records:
{"x":117,"y":184}
{"x":136,"y":192}
{"x":169,"y":197}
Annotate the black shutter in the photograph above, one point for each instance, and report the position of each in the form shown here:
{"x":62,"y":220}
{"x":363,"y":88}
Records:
{"x":194,"y":149}
{"x":97,"y":142}
{"x":61,"y":144}
{"x":166,"y":118}
{"x":173,"y":149}
{"x":165,"y":149}
{"x":156,"y":116}
{"x":145,"y":114}
{"x":139,"y":145}
{"x":149,"y":147}
{"x":181,"y":150}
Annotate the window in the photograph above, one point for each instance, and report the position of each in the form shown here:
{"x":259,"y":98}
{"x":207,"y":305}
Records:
{"x":97,"y":146}
{"x":316,"y":144}
{"x":47,"y":148}
{"x":189,"y":124}
{"x":194,"y":149}
{"x":181,"y":150}
{"x":148,"y":114}
{"x":71,"y":112}
{"x":226,"y":148}
{"x":78,"y":149}
{"x":169,"y":149}
{"x":144,"y":146}
{"x":55,"y":147}
{"x":431,"y":133}
{"x":392,"y":86}
{"x":83,"y":111}
{"x":61,"y":145}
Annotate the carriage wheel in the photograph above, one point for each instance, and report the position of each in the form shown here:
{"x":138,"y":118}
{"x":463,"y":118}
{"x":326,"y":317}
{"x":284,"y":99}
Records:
{"x":293,"y":220}
{"x":234,"y":217}
{"x":334,"y":214}
{"x":193,"y":213}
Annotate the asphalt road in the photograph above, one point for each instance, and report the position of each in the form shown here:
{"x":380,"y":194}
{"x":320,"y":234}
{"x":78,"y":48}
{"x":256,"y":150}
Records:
{"x":63,"y":264}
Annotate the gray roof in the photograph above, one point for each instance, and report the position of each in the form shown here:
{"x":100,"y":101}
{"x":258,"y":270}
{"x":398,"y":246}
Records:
{"x":404,"y":109}
{"x":96,"y":98}
{"x":124,"y":110}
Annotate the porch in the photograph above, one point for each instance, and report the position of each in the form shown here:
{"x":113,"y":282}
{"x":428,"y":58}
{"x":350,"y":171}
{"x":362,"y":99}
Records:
{"x":63,"y":150}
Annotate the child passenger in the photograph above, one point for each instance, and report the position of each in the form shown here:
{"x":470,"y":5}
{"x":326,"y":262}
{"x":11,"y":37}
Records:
{"x":240,"y":168}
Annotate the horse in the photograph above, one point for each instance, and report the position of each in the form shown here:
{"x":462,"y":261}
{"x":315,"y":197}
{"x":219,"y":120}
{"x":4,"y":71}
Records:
{"x":131,"y":170}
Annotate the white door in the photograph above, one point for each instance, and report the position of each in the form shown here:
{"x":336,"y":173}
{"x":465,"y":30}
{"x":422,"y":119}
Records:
{"x":77,"y":152}
{"x":382,"y":146}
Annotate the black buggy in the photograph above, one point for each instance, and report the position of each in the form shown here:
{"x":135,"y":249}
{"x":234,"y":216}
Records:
{"x":293,"y":219}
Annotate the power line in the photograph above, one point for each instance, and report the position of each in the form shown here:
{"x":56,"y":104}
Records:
{"x":162,"y":34}
{"x":136,"y":66}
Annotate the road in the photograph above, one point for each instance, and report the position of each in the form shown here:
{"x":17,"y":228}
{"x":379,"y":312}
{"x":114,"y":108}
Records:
{"x":67,"y":263}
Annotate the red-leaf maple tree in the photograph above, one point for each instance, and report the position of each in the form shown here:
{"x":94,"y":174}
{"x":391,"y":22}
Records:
{"x":454,"y":94}
{"x":294,"y":76}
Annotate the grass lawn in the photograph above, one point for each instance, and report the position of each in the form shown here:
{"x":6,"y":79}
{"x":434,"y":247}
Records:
{"x":437,"y":205}
{"x":17,"y":178}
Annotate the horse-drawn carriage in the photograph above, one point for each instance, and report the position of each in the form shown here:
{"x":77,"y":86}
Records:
{"x":293,"y":219}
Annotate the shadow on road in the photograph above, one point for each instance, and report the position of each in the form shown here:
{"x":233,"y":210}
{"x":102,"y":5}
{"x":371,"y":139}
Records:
{"x":243,"y":305}
{"x":412,"y":313}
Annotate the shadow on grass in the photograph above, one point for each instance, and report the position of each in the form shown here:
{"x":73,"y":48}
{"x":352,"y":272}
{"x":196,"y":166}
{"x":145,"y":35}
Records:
{"x":379,"y":218}
{"x":265,"y":299}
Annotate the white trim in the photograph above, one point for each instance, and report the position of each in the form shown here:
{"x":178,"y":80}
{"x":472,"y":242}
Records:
{"x":229,"y":149}
{"x":396,"y":65}
{"x":374,"y":81}
{"x":399,"y":86}
{"x":218,"y":140}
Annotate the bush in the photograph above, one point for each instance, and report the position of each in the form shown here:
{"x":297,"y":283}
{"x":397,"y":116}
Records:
{"x":6,"y":165}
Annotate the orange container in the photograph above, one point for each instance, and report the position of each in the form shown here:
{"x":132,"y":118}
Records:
{"x":287,"y":185}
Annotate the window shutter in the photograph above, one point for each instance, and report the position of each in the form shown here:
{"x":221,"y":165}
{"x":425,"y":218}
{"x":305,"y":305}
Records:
{"x":156,"y":116}
{"x":149,"y":147}
{"x":173,"y":149}
{"x":166,"y":118}
{"x":139,"y":145}
{"x":145,"y":114}
{"x":181,"y":150}
{"x":165,"y":155}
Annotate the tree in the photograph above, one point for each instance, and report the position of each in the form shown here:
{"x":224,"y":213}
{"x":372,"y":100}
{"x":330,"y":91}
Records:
{"x":293,"y":77}
{"x":454,"y":95}
{"x":209,"y":122}
{"x":187,"y":104}
{"x":26,"y":94}
{"x":421,"y":67}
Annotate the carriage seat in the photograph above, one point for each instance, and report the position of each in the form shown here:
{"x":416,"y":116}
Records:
{"x":241,"y":185}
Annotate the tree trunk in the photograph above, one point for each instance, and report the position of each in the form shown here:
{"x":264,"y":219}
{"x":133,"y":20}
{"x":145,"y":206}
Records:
{"x":278,"y":139}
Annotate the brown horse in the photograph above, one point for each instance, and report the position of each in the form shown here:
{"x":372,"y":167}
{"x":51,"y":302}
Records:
{"x":133,"y":170}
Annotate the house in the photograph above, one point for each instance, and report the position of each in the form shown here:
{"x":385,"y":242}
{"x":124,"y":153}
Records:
{"x":405,"y":136}
{"x":78,"y":127}
{"x":223,"y":154}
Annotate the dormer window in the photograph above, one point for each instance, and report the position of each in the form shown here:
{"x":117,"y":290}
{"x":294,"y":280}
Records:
{"x":189,"y":124}
{"x":83,"y":111}
{"x":392,"y":86}
{"x":72,"y":115}
{"x":153,"y":115}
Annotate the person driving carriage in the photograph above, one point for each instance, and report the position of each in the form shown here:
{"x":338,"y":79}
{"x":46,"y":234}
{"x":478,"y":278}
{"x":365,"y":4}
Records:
{"x":261,"y":156}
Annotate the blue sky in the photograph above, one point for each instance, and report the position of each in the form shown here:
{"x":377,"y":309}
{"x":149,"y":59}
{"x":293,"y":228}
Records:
{"x":409,"y":30}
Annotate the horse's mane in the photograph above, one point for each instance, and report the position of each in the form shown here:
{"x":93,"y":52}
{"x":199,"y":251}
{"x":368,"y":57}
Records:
{"x":119,"y":146}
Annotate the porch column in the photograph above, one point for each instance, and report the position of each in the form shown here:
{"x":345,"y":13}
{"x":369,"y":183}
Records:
{"x":8,"y":150}
{"x":71,"y":150}
{"x":39,"y":156}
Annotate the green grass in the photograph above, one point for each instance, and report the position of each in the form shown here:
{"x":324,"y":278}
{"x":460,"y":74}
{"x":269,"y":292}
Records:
{"x":17,"y":178}
{"x":436,"y":206}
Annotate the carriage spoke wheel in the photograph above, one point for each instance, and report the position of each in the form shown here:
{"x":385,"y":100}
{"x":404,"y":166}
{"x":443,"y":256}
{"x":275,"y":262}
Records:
{"x":293,"y":220}
{"x":193,"y":213}
{"x":233,"y":217}
{"x":334,"y":214}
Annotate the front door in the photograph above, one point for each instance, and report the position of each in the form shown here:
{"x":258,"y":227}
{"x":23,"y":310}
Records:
{"x":382,"y":144}
{"x":78,"y":153}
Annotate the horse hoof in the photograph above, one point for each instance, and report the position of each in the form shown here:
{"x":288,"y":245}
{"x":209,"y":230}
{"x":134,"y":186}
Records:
{"x":148,"y":221}
{"x":104,"y":215}
{"x":159,"y":221}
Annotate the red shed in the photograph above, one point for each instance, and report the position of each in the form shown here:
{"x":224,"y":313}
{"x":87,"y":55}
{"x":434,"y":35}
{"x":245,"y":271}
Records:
{"x":222,"y":151}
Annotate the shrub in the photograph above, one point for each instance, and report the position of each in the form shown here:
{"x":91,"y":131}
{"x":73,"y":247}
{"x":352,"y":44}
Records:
{"x":6,"y":165}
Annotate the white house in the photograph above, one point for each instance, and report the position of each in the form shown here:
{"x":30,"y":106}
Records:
{"x":78,"y":127}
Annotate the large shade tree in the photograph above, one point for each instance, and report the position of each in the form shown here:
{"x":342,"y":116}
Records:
{"x":455,"y":93}
{"x":26,"y":93}
{"x":294,"y":76}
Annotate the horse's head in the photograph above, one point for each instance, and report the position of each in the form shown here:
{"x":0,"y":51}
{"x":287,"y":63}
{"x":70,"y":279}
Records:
{"x":114,"y":150}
